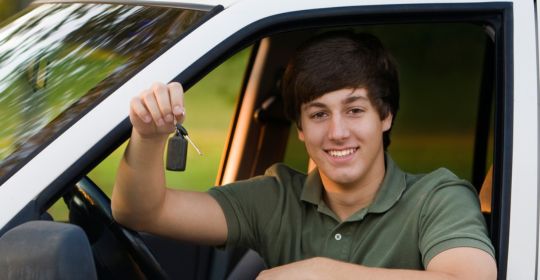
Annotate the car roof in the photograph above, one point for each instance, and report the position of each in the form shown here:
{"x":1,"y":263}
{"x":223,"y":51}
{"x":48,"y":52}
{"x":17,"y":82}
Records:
{"x":194,"y":4}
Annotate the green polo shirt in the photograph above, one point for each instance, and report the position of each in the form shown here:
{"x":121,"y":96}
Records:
{"x":282,"y":216}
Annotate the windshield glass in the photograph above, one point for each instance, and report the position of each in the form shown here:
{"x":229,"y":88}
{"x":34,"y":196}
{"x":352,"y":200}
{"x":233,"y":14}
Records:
{"x":56,"y":60}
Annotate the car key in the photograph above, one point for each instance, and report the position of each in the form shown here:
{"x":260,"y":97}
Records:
{"x":177,"y":149}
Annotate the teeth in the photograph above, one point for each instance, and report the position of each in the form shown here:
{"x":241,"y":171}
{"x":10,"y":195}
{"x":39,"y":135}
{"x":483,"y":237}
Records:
{"x":341,"y":153}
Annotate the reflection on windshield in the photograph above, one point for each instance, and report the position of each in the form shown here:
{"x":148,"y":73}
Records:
{"x":58,"y":59}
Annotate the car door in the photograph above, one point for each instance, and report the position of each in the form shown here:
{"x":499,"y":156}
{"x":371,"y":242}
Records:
{"x":258,"y":136}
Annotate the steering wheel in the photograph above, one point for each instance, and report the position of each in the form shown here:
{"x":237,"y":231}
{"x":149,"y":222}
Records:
{"x":90,"y":208}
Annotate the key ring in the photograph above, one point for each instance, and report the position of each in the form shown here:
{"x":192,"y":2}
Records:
{"x":180,"y":130}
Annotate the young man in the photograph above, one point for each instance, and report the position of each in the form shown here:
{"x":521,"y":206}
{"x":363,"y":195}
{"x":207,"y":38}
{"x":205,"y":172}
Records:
{"x":356,"y":216}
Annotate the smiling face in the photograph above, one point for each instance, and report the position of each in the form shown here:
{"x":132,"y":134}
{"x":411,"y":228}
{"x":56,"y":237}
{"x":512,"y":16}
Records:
{"x":343,"y":133}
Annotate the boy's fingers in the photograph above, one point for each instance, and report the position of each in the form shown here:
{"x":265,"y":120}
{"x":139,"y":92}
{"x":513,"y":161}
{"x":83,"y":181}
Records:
{"x":140,"y":111}
{"x":161,"y":93}
{"x":149,"y":101}
{"x":176,"y":95}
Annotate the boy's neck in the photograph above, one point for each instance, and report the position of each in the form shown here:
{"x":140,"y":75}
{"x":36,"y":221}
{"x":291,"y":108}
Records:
{"x":347,"y":200}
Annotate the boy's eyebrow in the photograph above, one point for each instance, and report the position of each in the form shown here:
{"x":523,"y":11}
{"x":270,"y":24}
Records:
{"x":350,"y":99}
{"x":315,"y":104}
{"x":353,"y":98}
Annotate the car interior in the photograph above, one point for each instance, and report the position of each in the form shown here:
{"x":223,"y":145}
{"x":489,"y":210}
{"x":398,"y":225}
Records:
{"x":446,"y":118}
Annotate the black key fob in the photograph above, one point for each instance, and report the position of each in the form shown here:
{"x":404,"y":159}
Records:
{"x":177,"y":152}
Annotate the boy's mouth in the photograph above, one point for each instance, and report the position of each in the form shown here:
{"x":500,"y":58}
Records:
{"x":342,"y":153}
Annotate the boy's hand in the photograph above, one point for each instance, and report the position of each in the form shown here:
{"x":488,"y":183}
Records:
{"x":154,"y":111}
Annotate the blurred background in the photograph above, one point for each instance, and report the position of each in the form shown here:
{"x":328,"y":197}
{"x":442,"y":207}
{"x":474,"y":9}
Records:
{"x":10,"y":7}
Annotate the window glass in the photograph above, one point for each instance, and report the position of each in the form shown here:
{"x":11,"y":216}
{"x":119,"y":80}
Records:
{"x":56,"y":60}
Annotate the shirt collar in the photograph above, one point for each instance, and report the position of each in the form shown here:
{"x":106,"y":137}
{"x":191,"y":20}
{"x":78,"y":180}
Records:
{"x":391,"y":190}
{"x":313,"y":187}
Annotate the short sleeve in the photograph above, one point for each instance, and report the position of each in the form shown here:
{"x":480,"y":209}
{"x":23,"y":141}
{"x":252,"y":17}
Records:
{"x":248,"y":206}
{"x":451,"y":218}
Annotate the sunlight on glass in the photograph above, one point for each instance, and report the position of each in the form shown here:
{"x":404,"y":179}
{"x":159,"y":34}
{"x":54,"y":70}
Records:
{"x":58,"y":59}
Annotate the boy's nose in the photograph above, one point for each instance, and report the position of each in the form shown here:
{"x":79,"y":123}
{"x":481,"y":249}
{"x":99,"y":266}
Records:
{"x":338,"y":129}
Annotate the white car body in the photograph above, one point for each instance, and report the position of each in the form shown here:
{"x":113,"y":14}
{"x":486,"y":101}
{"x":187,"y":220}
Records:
{"x":236,"y":19}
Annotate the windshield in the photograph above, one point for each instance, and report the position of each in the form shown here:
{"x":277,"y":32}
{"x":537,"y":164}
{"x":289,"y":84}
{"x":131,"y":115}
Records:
{"x":57,"y":60}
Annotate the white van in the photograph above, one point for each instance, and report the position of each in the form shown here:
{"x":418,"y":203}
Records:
{"x":68,"y":69}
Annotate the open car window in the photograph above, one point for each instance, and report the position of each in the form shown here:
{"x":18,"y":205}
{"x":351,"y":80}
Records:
{"x":441,"y":69}
{"x":210,"y":106}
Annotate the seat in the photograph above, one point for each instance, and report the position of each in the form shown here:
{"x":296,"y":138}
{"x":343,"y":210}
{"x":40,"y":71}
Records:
{"x":46,"y":250}
{"x":249,"y":266}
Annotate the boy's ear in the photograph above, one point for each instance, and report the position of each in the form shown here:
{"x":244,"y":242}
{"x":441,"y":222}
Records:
{"x":387,"y":122}
{"x":300,"y":134}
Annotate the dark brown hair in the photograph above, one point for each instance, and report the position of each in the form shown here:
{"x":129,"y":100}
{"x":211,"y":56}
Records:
{"x":338,"y":60}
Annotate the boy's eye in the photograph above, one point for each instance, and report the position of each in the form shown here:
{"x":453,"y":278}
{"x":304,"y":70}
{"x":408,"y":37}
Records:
{"x":356,"y":111}
{"x":318,"y":115}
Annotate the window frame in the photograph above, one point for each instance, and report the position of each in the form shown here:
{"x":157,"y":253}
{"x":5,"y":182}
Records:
{"x":498,"y":15}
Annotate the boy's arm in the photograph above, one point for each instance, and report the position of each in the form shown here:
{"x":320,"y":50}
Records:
{"x":457,"y":263}
{"x":140,"y":199}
